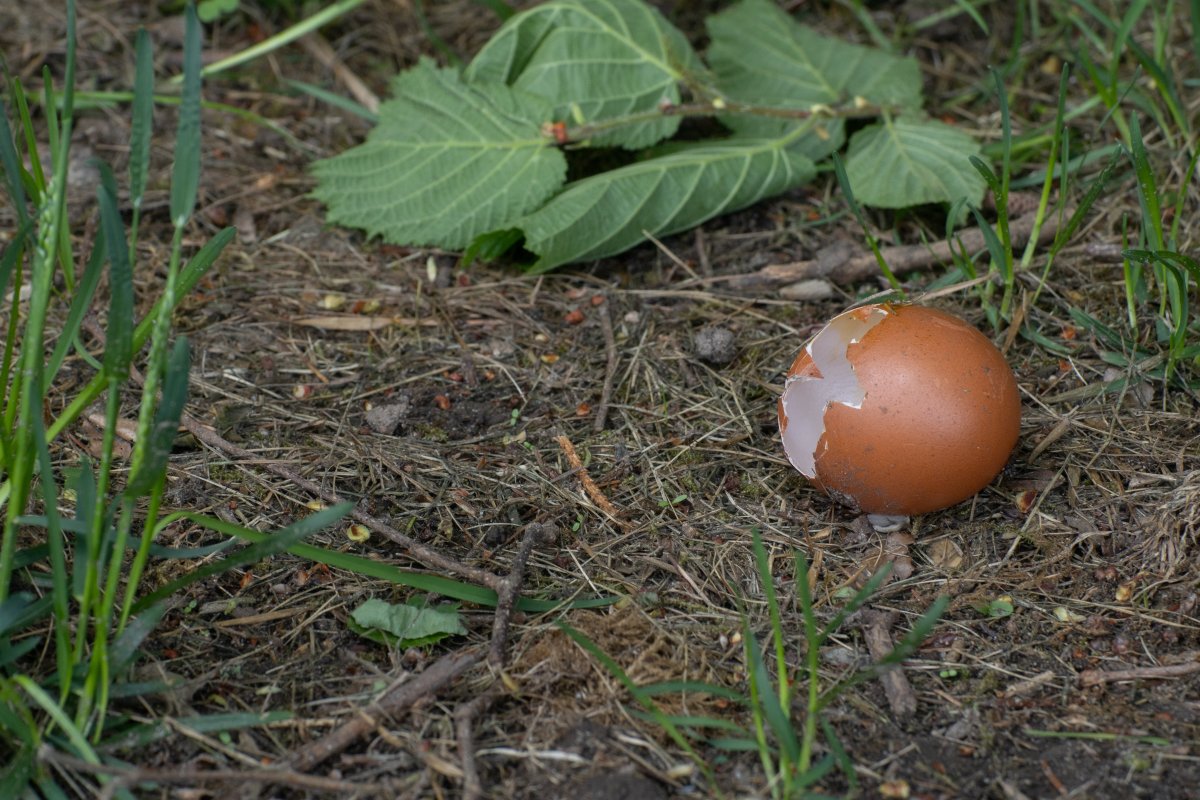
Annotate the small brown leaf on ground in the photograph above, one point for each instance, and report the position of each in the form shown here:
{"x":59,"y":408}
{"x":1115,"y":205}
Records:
{"x":945,"y":554}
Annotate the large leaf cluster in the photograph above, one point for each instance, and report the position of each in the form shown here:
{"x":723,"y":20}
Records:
{"x":476,"y":157}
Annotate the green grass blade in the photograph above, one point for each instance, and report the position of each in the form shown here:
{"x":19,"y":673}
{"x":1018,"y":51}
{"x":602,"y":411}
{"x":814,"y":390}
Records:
{"x":81,"y":302}
{"x":20,"y":610}
{"x":366,"y":567}
{"x":75,"y":736}
{"x":839,"y":170}
{"x":335,"y":100}
{"x":839,"y":752}
{"x":60,"y":579}
{"x":185,"y":177}
{"x":856,"y":602}
{"x":142,"y":735}
{"x":693,"y":722}
{"x":125,"y":647}
{"x":762,"y":563}
{"x":734,"y":743}
{"x":118,"y":347}
{"x":161,"y":437}
{"x":13,"y":169}
{"x":645,"y":702}
{"x":776,"y":716}
{"x":141,"y":118}
{"x":270,"y":45}
{"x":1147,"y":188}
{"x":276,"y":543}
{"x":195,"y":269}
{"x":35,"y":179}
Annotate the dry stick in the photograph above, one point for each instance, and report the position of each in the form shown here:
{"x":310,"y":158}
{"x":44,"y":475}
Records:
{"x":510,"y":590}
{"x":125,"y":777}
{"x":1095,"y":677}
{"x":399,"y":699}
{"x":320,"y":49}
{"x":901,"y":698}
{"x":464,"y":725}
{"x":419,"y":552}
{"x":465,"y":714}
{"x":903,"y":258}
{"x":610,"y":368}
{"x":589,"y":485}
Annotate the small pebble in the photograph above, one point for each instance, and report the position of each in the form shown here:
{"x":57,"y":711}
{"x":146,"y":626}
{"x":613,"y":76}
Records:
{"x":715,"y":344}
{"x":386,"y":418}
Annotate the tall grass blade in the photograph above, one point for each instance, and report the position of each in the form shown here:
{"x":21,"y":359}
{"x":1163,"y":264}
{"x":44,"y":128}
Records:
{"x":189,"y":276}
{"x":126,"y":645}
{"x":777,"y":718}
{"x":79,"y":742}
{"x":185,"y":177}
{"x":13,"y":170}
{"x":843,"y":180}
{"x":60,"y":580}
{"x":764,"y":573}
{"x":81,"y":302}
{"x":141,"y":119}
{"x":1147,"y":188}
{"x":161,"y":436}
{"x":118,"y":334}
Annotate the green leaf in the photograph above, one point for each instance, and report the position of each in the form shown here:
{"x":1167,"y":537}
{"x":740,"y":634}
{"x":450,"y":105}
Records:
{"x":907,"y":161}
{"x":610,"y":212}
{"x":594,"y":60}
{"x":209,"y":10}
{"x":447,"y":162}
{"x":763,"y":57}
{"x":405,"y":625}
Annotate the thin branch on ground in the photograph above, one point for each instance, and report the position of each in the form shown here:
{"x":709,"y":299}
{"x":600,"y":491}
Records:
{"x":901,"y":258}
{"x":464,"y":725}
{"x":125,"y":777}
{"x":394,"y":702}
{"x":325,"y":55}
{"x":465,"y":715}
{"x":610,"y":368}
{"x":589,"y":485}
{"x":1096,"y":677}
{"x":510,"y":590}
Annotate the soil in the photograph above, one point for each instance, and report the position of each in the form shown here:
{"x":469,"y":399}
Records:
{"x":446,"y":424}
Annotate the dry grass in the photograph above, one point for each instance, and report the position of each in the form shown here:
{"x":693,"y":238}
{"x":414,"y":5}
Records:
{"x":1092,"y":531}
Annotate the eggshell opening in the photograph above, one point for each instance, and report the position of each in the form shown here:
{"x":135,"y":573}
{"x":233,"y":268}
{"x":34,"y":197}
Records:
{"x":829,"y":378}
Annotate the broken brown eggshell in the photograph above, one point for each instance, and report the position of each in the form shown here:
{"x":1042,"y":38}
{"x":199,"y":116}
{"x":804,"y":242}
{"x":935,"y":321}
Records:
{"x":899,"y":409}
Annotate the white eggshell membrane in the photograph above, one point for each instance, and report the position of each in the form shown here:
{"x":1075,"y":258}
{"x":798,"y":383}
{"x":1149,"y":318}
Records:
{"x":806,"y":398}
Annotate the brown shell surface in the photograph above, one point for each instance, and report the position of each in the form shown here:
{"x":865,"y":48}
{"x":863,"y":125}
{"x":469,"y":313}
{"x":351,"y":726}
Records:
{"x":941,"y":416}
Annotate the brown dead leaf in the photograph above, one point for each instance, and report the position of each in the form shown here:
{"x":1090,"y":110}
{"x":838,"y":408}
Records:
{"x":894,"y":550}
{"x":945,"y":554}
